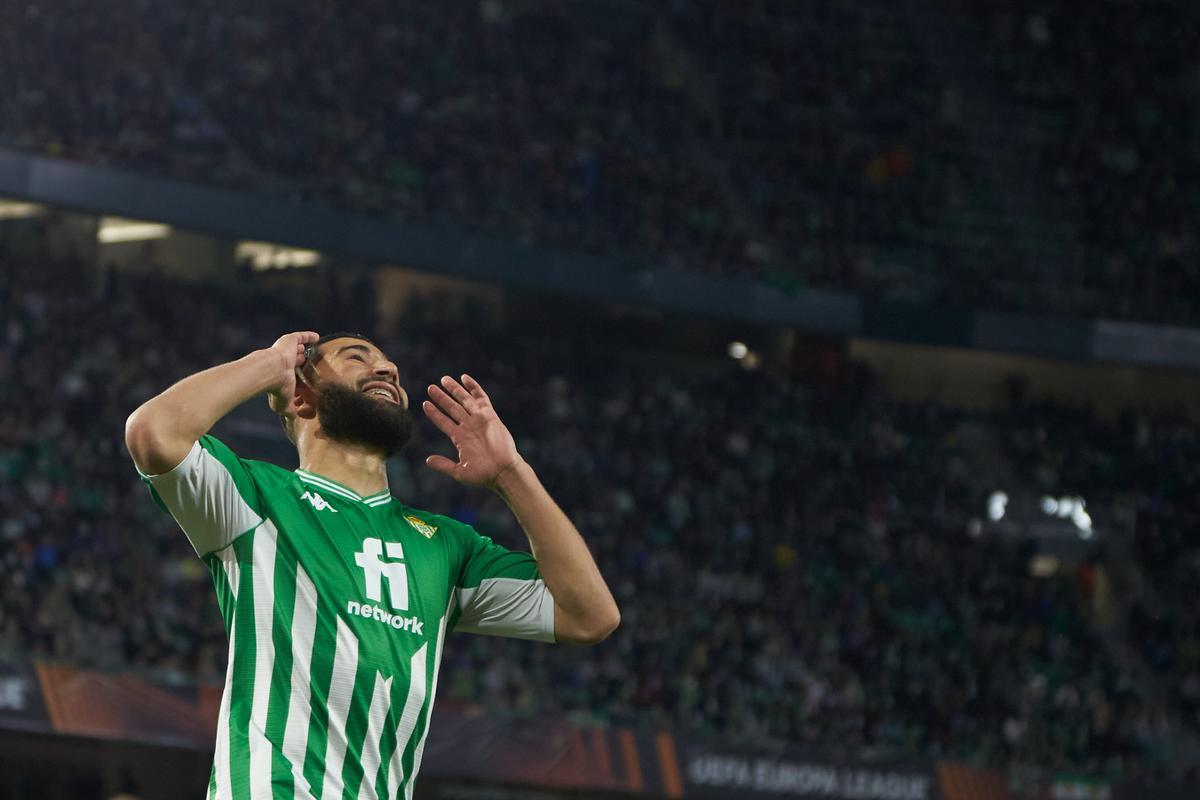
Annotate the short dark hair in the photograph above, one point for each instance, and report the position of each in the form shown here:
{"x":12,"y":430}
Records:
{"x":315,"y":354}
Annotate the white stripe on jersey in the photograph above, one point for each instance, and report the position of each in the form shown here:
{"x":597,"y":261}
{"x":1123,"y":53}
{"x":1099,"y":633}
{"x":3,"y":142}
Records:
{"x":262,"y":580}
{"x":408,"y":718}
{"x":233,"y":574}
{"x":341,"y":690}
{"x":381,"y":700}
{"x":437,"y":665}
{"x":221,"y":758}
{"x":304,"y":626}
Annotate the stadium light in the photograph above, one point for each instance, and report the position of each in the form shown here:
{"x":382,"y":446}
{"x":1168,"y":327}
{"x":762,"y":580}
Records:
{"x":997,"y":503}
{"x":117,"y":229}
{"x":1082,"y":520}
{"x":19,"y":209}
{"x":738,"y":350}
{"x":267,"y":255}
{"x":1072,"y":508}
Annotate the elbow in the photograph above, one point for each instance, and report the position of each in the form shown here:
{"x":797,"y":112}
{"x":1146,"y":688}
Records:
{"x":611,"y":623}
{"x":583,"y":629}
{"x":603,"y":626}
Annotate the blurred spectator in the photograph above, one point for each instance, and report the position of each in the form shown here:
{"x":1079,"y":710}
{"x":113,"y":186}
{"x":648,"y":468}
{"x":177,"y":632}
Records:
{"x":1113,"y":93}
{"x":791,"y":560}
{"x":800,"y":148}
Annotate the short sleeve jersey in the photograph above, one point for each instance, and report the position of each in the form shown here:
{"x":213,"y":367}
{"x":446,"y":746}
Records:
{"x":336,"y":607}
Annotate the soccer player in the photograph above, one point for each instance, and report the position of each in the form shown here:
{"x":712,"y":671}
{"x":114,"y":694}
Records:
{"x":337,"y":597}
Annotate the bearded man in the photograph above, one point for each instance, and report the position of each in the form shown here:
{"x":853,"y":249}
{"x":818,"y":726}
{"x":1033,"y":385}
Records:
{"x":336,"y":596}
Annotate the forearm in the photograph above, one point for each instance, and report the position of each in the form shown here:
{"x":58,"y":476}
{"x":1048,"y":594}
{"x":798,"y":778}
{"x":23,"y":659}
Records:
{"x":162,"y":430}
{"x":585,"y":608}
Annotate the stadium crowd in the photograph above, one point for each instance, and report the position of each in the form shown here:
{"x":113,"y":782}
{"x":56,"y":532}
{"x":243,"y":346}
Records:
{"x":1146,"y":465}
{"x":1115,"y":95}
{"x":818,"y":150}
{"x":789,"y":551}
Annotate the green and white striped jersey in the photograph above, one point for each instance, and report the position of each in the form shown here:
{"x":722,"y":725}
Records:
{"x":336,"y":607}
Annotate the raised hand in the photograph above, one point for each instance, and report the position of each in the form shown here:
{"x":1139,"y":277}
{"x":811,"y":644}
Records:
{"x":464,"y":412}
{"x":290,"y":349}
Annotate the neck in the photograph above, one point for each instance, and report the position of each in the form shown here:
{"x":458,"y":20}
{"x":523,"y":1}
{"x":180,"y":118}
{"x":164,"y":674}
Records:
{"x":358,"y":468}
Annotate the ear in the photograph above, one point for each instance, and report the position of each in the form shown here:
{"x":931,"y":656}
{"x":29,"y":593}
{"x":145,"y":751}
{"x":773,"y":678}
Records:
{"x":304,"y":402}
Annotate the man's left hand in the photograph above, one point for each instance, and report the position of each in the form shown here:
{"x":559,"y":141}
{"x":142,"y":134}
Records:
{"x":486,"y":450}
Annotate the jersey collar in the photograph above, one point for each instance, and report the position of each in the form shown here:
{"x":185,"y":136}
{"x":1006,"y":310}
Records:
{"x":333,"y":487}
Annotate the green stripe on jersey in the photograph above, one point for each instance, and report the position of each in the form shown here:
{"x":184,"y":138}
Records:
{"x":281,"y":690}
{"x":242,"y":653}
{"x":320,"y":670}
{"x":349,"y":713}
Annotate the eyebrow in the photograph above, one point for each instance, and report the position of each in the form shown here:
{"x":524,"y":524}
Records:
{"x":346,"y":347}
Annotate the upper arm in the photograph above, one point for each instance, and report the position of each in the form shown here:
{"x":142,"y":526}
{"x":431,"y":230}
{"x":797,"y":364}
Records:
{"x":210,"y":493}
{"x":501,"y":593}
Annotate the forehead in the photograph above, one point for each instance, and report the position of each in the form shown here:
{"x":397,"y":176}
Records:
{"x":344,"y":346}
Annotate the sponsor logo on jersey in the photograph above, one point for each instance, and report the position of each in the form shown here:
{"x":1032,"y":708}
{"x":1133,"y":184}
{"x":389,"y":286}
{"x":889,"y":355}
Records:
{"x":376,"y":571}
{"x":368,"y":611}
{"x":423,"y":527}
{"x":318,"y":502}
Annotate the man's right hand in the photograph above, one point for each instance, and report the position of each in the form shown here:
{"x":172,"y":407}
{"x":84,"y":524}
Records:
{"x":290,"y":350}
{"x":162,"y":430}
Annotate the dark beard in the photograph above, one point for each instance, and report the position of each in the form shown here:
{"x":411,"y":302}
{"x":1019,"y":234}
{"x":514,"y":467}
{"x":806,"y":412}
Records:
{"x":351,"y":417}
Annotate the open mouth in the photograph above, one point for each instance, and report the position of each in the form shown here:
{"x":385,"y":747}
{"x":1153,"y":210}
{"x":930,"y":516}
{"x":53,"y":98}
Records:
{"x":383,"y":390}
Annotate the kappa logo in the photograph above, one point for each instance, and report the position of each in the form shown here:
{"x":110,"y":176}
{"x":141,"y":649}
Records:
{"x":423,"y":527}
{"x":318,"y":502}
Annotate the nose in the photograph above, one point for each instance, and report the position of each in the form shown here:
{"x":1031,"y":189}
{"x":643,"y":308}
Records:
{"x":386,"y":370}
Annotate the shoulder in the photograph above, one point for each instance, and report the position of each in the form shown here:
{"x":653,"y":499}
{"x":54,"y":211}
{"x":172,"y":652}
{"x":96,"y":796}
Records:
{"x":224,"y":453}
{"x":266,"y":472}
{"x":251,"y":475}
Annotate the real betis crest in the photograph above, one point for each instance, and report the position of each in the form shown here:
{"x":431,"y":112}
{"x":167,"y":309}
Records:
{"x":423,"y":527}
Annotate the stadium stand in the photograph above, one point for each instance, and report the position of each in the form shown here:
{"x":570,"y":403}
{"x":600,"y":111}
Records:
{"x":1146,"y":463}
{"x":871,"y":163}
{"x":1110,"y":98}
{"x":791,"y":547}
{"x":854,"y":615}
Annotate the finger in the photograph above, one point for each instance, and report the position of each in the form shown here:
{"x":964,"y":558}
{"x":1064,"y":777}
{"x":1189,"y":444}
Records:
{"x":460,"y":394}
{"x":441,"y":464}
{"x":439,"y":420}
{"x":308,"y":337}
{"x":448,"y":404}
{"x":302,"y":378}
{"x":476,"y":390}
